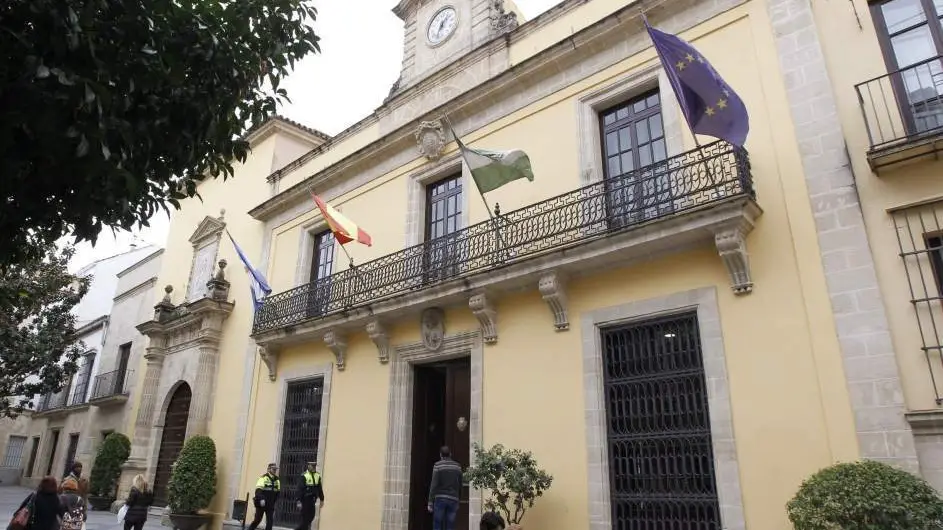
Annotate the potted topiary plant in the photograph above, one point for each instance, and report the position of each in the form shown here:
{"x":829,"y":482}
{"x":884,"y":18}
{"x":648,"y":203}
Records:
{"x":106,"y":470}
{"x":511,"y":478}
{"x":865,"y":496}
{"x":192,"y":484}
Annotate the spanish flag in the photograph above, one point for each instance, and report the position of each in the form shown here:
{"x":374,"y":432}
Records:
{"x":344,"y":229}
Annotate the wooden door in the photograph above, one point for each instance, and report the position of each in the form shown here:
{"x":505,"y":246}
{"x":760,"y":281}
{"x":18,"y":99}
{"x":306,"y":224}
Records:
{"x":171,"y":441}
{"x":458,"y":426}
{"x":441,"y":416}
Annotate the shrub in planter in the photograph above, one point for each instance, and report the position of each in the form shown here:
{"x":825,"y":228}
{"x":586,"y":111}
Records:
{"x":193,"y":478}
{"x":106,"y":469}
{"x":511,"y":478}
{"x":865,"y":496}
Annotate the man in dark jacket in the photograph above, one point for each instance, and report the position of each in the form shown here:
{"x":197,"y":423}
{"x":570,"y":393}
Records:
{"x":311,"y":488}
{"x":267,"y":489}
{"x":445,"y":490}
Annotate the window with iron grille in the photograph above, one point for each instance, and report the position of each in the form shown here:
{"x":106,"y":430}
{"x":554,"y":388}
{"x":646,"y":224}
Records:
{"x":661,"y":462}
{"x":301,"y":432}
{"x":920,"y":238}
{"x":634,"y":153}
{"x":443,"y":219}
{"x":14,"y":455}
{"x":322,"y":265}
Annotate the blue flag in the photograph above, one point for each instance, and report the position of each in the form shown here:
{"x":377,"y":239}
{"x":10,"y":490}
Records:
{"x":257,"y":283}
{"x":709,"y":105}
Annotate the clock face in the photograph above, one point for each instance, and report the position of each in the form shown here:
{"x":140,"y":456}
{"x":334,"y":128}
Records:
{"x":442,"y":25}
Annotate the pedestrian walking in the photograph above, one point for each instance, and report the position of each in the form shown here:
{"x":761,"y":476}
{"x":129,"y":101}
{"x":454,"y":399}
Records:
{"x":43,"y":509}
{"x":74,"y":499}
{"x":444,"y":491}
{"x":70,"y":482}
{"x":138,"y":502}
{"x":312,"y":487}
{"x":267,"y":490}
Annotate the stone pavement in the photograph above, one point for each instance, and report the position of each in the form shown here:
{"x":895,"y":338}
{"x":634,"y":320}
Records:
{"x":12,"y":496}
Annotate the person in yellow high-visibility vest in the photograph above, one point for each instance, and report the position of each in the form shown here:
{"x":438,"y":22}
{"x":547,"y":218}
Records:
{"x":311,"y":488}
{"x":267,"y":490}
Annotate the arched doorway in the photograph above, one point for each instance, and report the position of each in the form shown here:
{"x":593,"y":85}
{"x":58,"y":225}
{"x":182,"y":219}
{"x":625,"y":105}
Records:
{"x":171,"y":441}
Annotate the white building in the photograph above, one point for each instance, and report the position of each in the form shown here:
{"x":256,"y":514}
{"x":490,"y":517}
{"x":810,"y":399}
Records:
{"x":69,"y":425}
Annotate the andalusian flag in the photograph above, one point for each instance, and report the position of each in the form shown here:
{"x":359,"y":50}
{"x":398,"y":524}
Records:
{"x":344,"y":229}
{"x":493,"y":169}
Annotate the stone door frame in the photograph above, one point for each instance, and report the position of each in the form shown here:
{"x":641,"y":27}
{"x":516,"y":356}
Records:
{"x":400,"y":421}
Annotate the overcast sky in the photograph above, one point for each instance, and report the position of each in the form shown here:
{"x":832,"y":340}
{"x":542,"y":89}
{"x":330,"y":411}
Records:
{"x":361,"y":52}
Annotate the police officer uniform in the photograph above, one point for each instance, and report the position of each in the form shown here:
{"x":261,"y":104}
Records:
{"x":267,"y":490}
{"x":311,"y":489}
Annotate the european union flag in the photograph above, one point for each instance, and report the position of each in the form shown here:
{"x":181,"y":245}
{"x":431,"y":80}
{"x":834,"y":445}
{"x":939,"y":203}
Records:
{"x":257,"y":284}
{"x":709,"y":105}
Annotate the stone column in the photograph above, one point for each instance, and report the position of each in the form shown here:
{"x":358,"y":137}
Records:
{"x":143,"y":425}
{"x":201,"y":406}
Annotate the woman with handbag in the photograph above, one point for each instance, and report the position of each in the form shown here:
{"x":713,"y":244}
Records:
{"x":41,"y":510}
{"x":138,"y":501}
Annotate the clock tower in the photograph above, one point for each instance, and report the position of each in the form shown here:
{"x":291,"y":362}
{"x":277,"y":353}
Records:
{"x":439,"y":31}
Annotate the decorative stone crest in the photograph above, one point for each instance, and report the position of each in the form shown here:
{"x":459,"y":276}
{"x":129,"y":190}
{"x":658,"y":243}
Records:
{"x":430,"y":136}
{"x":337,"y":343}
{"x":552,"y":289}
{"x":218,"y":287}
{"x":732,"y":247}
{"x":378,"y":335}
{"x":502,"y":21}
{"x":270,"y":359}
{"x":487,"y":317}
{"x":432,"y":325}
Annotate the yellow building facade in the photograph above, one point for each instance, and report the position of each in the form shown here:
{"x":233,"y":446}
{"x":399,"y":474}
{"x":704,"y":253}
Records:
{"x":648,"y":307}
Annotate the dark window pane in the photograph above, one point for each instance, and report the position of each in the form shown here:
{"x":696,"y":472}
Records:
{"x":623,"y":113}
{"x":609,"y":118}
{"x":645,"y":156}
{"x":639,"y":106}
{"x":652,"y":100}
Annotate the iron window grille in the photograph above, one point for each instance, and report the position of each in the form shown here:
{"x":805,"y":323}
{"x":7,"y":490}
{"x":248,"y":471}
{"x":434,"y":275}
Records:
{"x":661,"y":462}
{"x":14,"y":455}
{"x":920,"y":239}
{"x":711,"y":174}
{"x":301,"y":433}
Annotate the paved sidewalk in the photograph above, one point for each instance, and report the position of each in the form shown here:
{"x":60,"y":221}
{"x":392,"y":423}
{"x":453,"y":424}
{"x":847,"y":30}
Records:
{"x":12,"y":496}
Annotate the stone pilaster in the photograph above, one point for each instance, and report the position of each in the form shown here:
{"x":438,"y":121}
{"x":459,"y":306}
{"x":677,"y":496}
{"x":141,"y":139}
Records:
{"x":203,"y":391}
{"x":148,"y":402}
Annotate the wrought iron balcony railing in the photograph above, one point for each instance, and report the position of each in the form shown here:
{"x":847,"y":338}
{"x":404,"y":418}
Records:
{"x":697,"y":178}
{"x":903,"y":105}
{"x":111,"y":384}
{"x":53,"y":401}
{"x":80,"y":394}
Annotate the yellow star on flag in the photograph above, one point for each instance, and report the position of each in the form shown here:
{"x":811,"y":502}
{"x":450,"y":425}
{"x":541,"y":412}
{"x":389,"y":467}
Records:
{"x":722,"y":103}
{"x":681,"y":65}
{"x":710,"y":111}
{"x":690,"y":58}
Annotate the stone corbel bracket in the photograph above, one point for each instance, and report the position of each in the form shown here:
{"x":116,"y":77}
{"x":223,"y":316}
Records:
{"x":487,"y":317}
{"x":269,"y":356}
{"x":732,"y":247}
{"x":552,"y":288}
{"x":337,"y":343}
{"x":379,"y":336}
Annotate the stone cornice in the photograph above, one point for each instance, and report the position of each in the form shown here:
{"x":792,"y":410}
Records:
{"x":92,"y":326}
{"x":581,"y":42}
{"x":137,"y":289}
